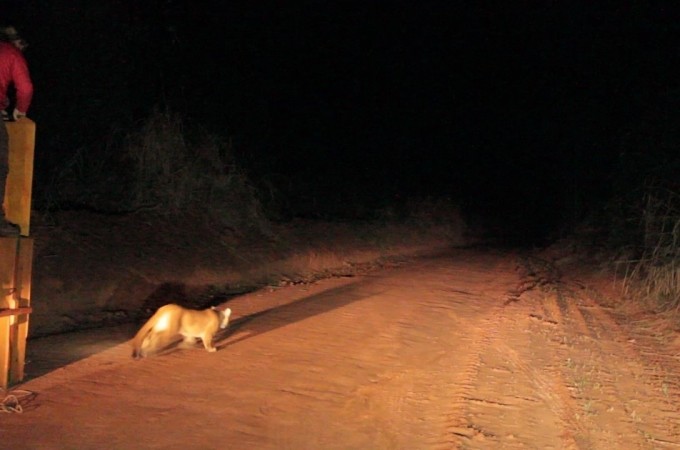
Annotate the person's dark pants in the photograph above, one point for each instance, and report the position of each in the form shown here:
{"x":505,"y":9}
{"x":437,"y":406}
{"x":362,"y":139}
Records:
{"x":4,"y":165}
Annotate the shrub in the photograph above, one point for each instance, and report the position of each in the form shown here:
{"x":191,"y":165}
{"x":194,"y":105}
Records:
{"x":162,"y":166}
{"x":176,"y":172}
{"x":644,"y":216}
{"x":656,"y":274}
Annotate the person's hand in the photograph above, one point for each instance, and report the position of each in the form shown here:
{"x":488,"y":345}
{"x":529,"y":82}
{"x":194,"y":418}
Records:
{"x":18,"y":114}
{"x":5,"y":116}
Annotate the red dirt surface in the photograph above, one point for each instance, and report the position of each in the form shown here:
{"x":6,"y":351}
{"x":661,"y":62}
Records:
{"x":466,"y":349}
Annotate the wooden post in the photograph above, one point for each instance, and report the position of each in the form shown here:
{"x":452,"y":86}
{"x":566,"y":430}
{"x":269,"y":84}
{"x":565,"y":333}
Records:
{"x":8,"y":257}
{"x":22,"y":296}
{"x":16,"y":253}
{"x":20,"y":179}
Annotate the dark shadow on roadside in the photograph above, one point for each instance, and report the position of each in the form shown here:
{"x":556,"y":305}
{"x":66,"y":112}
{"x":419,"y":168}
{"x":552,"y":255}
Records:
{"x":49,"y":353}
{"x":273,"y":318}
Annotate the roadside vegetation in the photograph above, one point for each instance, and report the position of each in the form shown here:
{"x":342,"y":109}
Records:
{"x":642,"y":217}
{"x":175,"y":169}
{"x":649,"y":264}
{"x":163,"y":166}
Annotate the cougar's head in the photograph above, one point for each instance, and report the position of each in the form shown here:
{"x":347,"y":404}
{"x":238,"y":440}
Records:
{"x":224,"y":315}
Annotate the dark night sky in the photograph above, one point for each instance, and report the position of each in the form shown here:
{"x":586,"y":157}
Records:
{"x":510,"y":108}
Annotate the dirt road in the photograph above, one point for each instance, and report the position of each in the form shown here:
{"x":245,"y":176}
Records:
{"x":462,"y":350}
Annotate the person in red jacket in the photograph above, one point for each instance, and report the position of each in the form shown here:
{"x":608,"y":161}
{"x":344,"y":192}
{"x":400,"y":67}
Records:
{"x":13,"y":71}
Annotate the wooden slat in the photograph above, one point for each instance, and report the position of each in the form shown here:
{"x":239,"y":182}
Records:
{"x":19,"y":334}
{"x":8,"y":258}
{"x":6,"y":312}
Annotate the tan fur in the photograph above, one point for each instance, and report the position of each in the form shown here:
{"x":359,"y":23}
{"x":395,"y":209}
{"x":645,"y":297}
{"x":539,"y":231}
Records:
{"x":171,"y":321}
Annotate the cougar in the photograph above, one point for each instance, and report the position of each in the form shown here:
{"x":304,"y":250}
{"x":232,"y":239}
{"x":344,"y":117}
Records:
{"x":171,"y":321}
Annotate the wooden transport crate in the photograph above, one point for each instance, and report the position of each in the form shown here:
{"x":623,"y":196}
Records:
{"x":16,"y":253}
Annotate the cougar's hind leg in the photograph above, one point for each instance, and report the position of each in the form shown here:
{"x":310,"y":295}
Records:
{"x":189,"y":339}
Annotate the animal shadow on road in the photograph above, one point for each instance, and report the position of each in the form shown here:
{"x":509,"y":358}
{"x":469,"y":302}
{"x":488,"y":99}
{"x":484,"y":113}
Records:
{"x":270,"y":319}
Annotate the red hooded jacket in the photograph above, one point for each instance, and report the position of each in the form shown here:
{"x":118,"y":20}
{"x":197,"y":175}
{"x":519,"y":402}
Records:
{"x":13,"y":69}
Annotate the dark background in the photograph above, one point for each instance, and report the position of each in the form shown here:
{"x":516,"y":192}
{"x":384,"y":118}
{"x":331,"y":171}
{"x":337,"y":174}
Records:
{"x":525,"y":113}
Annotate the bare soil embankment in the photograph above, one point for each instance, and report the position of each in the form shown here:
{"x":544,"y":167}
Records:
{"x":93,"y":270}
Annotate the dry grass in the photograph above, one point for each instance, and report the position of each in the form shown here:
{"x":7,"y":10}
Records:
{"x":654,"y":278}
{"x":175,"y":174}
{"x":162,"y":166}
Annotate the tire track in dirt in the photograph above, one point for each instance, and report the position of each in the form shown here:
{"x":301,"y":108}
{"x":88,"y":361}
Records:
{"x":439,"y":386}
{"x":654,"y":408}
{"x":599,"y":411}
{"x":463,"y":427}
{"x":497,"y":394}
{"x":520,"y":400}
{"x":458,"y":424}
{"x":517,"y":397}
{"x":608,"y":378}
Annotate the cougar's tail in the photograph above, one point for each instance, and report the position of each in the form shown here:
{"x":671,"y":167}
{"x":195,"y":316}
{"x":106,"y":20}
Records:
{"x":140,"y":337}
